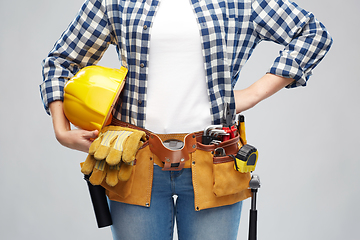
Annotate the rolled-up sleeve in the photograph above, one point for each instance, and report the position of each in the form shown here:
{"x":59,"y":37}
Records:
{"x":306,"y":40}
{"x":82,"y":44}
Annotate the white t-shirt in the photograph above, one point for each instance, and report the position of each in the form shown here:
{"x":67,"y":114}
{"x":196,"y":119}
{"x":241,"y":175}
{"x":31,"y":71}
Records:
{"x":177,"y":94}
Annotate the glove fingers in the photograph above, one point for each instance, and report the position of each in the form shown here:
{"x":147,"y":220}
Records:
{"x":97,"y":177}
{"x":111,"y":145}
{"x":102,"y":152}
{"x":114,"y":157}
{"x":131,"y":146}
{"x":95,"y":144}
{"x":98,"y":173}
{"x":107,"y":143}
{"x":88,"y":165}
{"x":142,"y":134}
{"x":112,"y":175}
{"x":125,"y":171}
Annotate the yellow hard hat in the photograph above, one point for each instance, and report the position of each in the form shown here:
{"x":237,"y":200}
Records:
{"x":91,"y":94}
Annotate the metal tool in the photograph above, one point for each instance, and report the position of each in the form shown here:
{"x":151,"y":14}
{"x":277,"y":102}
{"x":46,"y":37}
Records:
{"x":215,"y":142}
{"x":208,"y":128}
{"x":207,"y":138}
{"x":218,"y":132}
{"x":219,"y":152}
{"x":254,"y":185}
{"x":228,"y":125}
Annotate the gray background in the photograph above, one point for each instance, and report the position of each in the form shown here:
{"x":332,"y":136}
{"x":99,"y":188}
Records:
{"x":308,"y":138}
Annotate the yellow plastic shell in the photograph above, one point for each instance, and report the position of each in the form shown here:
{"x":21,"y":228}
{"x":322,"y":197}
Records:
{"x":91,"y":94}
{"x":246,"y":166}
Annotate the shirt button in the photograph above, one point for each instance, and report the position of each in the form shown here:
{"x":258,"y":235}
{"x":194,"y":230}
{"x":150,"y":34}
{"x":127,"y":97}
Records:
{"x":142,"y":65}
{"x":140,"y":102}
{"x":145,"y":27}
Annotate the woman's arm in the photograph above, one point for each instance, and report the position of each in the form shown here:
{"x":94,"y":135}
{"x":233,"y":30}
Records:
{"x":258,"y":91}
{"x":79,"y":46}
{"x":77,"y":139}
{"x":306,"y":40}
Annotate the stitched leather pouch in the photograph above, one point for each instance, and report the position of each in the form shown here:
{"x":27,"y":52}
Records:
{"x":137,"y":190}
{"x":226,"y":180}
{"x":210,"y":181}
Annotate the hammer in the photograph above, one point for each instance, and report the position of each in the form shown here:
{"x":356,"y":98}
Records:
{"x":254,"y":185}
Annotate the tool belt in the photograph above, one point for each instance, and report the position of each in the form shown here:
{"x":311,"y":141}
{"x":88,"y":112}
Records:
{"x":215,"y":181}
{"x":175,"y":160}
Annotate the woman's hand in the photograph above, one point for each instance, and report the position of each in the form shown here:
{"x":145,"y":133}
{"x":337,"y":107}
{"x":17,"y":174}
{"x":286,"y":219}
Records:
{"x":258,"y":91}
{"x":77,"y":139}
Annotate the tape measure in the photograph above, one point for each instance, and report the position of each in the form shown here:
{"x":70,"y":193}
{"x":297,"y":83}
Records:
{"x":245,"y":159}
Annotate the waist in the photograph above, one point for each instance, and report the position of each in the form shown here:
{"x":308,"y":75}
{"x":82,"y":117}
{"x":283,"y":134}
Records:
{"x":163,"y":137}
{"x":173,"y":150}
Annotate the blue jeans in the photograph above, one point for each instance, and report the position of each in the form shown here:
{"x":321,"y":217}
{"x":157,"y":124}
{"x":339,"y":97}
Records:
{"x":157,"y":221}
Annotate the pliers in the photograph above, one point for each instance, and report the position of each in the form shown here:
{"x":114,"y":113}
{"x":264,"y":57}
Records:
{"x":227,"y":122}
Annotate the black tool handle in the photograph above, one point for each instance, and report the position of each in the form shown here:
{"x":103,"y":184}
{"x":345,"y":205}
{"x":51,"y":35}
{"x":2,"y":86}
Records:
{"x":100,"y":204}
{"x":253,"y":225}
{"x":207,"y":140}
{"x":253,"y":216}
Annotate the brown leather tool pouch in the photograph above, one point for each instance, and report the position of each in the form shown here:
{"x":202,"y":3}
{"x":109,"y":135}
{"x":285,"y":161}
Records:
{"x":227,"y":180}
{"x":137,"y":190}
{"x":216,"y":182}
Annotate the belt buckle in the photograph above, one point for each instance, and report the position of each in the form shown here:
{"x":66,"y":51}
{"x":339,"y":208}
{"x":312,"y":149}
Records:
{"x":174,"y":144}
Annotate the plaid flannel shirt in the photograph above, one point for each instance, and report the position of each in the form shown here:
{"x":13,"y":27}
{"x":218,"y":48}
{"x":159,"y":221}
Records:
{"x":230,"y":30}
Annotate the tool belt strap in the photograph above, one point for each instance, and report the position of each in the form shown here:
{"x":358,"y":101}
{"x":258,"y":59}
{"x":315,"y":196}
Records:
{"x":175,"y":160}
{"x":170,"y":160}
{"x":230,"y":146}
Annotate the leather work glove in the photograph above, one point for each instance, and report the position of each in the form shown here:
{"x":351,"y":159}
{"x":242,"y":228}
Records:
{"x":112,"y":154}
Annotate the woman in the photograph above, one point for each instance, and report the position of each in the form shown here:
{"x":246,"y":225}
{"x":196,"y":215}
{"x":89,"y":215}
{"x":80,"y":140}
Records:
{"x":184,"y":58}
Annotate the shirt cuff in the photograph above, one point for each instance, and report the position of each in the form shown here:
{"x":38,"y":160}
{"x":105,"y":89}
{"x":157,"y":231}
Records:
{"x":289,"y":68}
{"x":51,"y":91}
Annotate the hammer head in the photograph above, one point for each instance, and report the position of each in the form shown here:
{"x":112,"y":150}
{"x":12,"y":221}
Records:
{"x":254,"y":182}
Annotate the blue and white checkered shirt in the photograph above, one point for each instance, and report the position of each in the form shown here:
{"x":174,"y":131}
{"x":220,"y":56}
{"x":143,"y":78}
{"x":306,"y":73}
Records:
{"x":230,"y":30}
